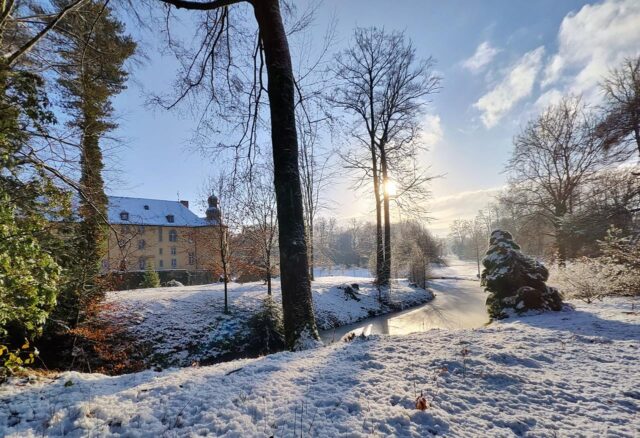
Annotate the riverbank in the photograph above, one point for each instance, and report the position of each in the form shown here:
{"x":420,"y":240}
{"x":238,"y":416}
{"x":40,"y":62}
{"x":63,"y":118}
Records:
{"x":180,"y":326}
{"x":569,"y":373}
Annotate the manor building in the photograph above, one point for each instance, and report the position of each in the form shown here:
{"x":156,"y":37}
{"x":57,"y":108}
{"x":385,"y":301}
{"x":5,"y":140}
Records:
{"x":162,"y":235}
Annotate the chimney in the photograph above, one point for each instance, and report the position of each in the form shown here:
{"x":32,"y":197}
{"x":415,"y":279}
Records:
{"x":185,"y":203}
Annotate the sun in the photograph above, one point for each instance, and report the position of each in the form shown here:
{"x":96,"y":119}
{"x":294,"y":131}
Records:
{"x":390,"y":188}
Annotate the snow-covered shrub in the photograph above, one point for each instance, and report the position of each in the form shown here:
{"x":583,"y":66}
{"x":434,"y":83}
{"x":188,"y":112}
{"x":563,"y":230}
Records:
{"x":585,"y":279}
{"x":515,"y":280}
{"x":615,"y":272}
{"x":267,"y":329}
{"x":174,"y":283}
{"x":621,"y":255}
{"x":588,"y":279}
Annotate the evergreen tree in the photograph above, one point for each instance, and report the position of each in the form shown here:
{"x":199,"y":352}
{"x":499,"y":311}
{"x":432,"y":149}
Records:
{"x":93,"y":48}
{"x":150,"y":278}
{"x":28,"y":273}
{"x":515,"y":280}
{"x":28,"y":278}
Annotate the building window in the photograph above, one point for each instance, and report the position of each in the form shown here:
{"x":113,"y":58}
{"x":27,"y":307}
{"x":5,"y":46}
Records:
{"x":173,"y":236}
{"x":192,"y":258}
{"x":160,"y":251}
{"x":173,"y":250}
{"x":170,"y":218}
{"x":159,"y":234}
{"x":142,"y":263}
{"x":125,"y":228}
{"x":141,"y":244}
{"x":124,"y":216}
{"x":174,"y":263}
{"x":146,"y":207}
{"x":161,"y":263}
{"x":140,"y":229}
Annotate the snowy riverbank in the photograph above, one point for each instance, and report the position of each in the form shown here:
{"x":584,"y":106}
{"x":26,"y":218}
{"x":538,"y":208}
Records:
{"x":570,"y":373}
{"x":183,"y":325}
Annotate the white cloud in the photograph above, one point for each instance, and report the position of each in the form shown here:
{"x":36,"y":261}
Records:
{"x":432,"y":132}
{"x":516,"y":85}
{"x":482,"y":57}
{"x":550,"y":97}
{"x":591,"y":42}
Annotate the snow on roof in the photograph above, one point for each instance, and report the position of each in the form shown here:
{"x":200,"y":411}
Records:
{"x":142,"y":211}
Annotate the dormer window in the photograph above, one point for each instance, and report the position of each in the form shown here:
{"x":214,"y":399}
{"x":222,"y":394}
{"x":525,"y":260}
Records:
{"x":146,"y":207}
{"x":124,"y":216}
{"x":170,"y":218}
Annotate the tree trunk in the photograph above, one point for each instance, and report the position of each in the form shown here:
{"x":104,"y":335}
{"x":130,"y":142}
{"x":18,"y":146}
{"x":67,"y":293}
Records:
{"x":269,"y":282}
{"x":223,"y":260}
{"x":561,"y":241}
{"x":386,"y":266}
{"x":310,"y":249}
{"x":376,"y":192}
{"x":636,"y":131}
{"x":299,"y":321}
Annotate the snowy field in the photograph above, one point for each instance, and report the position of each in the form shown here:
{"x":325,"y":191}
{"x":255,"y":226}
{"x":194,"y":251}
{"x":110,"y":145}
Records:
{"x":572,"y":373}
{"x":182,"y":325}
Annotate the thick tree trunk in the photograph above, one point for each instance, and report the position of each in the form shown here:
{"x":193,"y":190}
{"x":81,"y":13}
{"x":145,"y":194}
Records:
{"x":386,"y":266}
{"x":299,"y":321}
{"x":636,"y":131}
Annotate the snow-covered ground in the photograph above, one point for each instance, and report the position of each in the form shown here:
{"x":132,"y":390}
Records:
{"x":570,"y":373}
{"x":182,"y":325}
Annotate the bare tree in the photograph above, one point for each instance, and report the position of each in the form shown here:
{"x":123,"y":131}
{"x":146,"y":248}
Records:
{"x":621,"y":89}
{"x":223,"y":214}
{"x":315,"y":176}
{"x":210,"y":68}
{"x":414,"y":250}
{"x":385,"y":88}
{"x":553,"y":157}
{"x":257,"y":201}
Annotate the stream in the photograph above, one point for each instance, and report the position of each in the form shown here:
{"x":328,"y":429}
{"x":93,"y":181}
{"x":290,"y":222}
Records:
{"x":459,"y":303}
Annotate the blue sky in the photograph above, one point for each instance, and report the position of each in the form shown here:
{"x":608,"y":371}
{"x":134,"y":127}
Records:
{"x":501,"y":62}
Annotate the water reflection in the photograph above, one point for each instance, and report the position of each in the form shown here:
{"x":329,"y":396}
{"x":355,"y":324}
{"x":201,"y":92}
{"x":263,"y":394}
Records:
{"x":458,"y":304}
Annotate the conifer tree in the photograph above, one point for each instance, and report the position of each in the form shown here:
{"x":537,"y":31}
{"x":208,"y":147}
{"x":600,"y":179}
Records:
{"x":514,"y":280}
{"x":94,"y":49}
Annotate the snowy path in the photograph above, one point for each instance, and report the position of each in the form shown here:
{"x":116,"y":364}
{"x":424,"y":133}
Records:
{"x":459,"y":303}
{"x":560,"y":374}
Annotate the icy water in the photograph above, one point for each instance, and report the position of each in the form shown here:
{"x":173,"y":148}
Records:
{"x":459,"y":303}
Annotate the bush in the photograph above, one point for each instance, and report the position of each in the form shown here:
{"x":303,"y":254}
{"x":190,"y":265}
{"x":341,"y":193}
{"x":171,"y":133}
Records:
{"x":615,"y":273}
{"x":267,"y":329}
{"x":151,"y":278}
{"x":13,"y":361}
{"x":28,"y":278}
